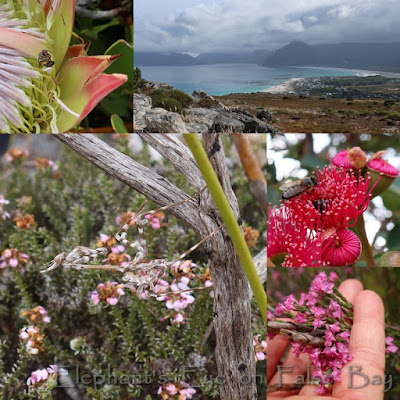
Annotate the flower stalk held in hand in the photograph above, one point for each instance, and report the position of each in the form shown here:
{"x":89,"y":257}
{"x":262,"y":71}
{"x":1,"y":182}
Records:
{"x":319,"y":325}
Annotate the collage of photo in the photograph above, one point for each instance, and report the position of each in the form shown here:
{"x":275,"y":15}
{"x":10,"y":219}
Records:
{"x":199,"y":200}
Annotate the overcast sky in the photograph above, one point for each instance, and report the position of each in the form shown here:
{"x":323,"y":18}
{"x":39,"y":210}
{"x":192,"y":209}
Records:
{"x":197,"y":26}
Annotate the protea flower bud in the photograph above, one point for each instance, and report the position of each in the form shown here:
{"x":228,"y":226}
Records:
{"x":354,"y":158}
{"x":378,"y":167}
{"x":46,"y":86}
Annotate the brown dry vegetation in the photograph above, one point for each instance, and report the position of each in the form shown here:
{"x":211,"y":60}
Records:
{"x":311,"y":114}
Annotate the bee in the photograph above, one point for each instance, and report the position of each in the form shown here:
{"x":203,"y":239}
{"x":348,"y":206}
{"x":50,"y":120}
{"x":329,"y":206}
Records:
{"x":293,"y":189}
{"x":44,"y":59}
{"x":321,"y":205}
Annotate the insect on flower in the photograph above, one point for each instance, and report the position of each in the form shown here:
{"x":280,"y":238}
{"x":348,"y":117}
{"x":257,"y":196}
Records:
{"x":44,"y":59}
{"x":292,"y":189}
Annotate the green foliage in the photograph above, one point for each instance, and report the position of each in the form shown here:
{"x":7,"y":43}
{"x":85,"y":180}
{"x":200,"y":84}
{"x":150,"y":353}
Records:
{"x":133,"y":342}
{"x":109,"y":36}
{"x":138,"y":82}
{"x":171,"y":99}
{"x":206,"y":103}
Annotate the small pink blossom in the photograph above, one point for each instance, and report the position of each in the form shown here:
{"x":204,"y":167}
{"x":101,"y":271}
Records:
{"x":177,"y":391}
{"x":12,"y":258}
{"x":260,"y":348}
{"x":390,"y":346}
{"x":179,"y":319}
{"x":45,"y":378}
{"x":155,"y":219}
{"x":108,"y":292}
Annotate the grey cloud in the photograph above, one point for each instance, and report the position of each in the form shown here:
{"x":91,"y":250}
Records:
{"x":236,"y":25}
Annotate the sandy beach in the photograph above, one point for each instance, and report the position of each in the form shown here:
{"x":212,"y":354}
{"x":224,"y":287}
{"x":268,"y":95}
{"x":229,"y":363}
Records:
{"x":284,"y":87}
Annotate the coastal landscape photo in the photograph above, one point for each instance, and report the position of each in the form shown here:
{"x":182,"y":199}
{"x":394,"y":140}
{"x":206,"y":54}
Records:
{"x":219,"y":66}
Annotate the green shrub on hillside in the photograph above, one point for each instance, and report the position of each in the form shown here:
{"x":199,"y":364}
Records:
{"x":171,"y":99}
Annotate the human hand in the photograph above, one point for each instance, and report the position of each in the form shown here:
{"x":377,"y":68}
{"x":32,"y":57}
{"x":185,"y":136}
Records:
{"x":363,"y":378}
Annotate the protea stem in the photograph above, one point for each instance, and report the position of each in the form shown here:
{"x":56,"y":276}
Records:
{"x":229,"y":219}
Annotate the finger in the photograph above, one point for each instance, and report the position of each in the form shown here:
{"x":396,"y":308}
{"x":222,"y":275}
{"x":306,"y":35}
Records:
{"x":276,"y":348}
{"x":301,"y":397}
{"x":292,"y":370}
{"x":350,"y":289}
{"x":362,"y":375}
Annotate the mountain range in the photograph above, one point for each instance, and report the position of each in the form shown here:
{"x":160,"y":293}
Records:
{"x":370,"y":56}
{"x":367,"y":56}
{"x":154,"y":58}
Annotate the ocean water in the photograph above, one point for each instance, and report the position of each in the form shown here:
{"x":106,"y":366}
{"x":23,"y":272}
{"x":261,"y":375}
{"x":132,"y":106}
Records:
{"x":220,"y":79}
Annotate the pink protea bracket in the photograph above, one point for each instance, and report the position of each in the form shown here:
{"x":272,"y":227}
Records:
{"x":77,"y":72}
{"x":77,"y":50}
{"x":26,"y":43}
{"x":85,"y":100}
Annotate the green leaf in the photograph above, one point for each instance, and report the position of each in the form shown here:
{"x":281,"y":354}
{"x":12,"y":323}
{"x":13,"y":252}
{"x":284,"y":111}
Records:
{"x":124,"y":64}
{"x":117,"y":124}
{"x":116,"y":103}
{"x":391,"y":198}
{"x":93,"y":32}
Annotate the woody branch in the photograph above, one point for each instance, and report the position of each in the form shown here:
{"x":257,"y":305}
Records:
{"x":232,"y":311}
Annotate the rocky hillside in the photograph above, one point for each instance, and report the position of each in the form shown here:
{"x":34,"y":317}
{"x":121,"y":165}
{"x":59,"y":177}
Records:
{"x":205,"y":115}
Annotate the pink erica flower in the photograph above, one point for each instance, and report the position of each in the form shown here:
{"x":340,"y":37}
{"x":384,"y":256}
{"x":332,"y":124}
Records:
{"x":324,"y":309}
{"x":108,"y":292}
{"x":390,"y":346}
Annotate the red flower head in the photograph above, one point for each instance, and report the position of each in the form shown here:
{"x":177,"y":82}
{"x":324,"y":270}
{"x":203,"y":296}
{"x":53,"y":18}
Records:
{"x":336,"y":202}
{"x":289,"y":239}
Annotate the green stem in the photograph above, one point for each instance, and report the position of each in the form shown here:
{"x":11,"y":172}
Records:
{"x":366,"y":251}
{"x":229,"y":219}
